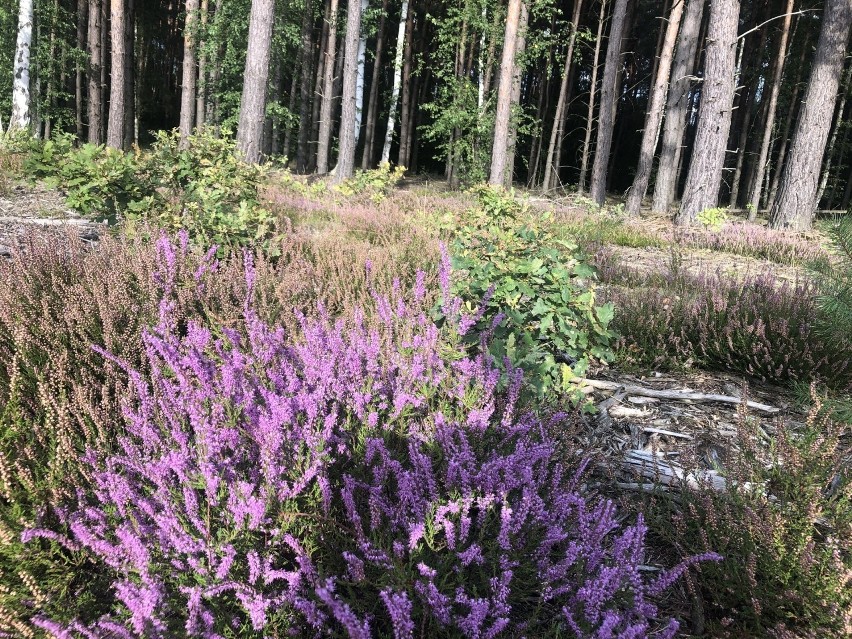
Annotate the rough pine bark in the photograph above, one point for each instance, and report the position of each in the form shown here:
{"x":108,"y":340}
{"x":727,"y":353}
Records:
{"x":516,"y":95}
{"x":714,"y":115}
{"x":405,"y":105}
{"x":590,"y":117}
{"x":118,"y":85}
{"x":609,"y":100}
{"x":654,"y":117}
{"x":549,"y":164}
{"x":838,"y":122}
{"x":256,"y":76}
{"x":327,"y":98}
{"x":373,"y":102}
{"x":95,"y":110}
{"x":187,"y":94}
{"x":676,"y":107}
{"x":796,"y":201}
{"x":504,"y":96}
{"x":763,"y":157}
{"x":21,"y":84}
{"x":346,"y":155}
{"x":201,"y":88}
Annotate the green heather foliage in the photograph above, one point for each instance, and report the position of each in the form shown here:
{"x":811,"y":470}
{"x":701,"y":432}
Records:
{"x":539,"y":300}
{"x":784,"y":526}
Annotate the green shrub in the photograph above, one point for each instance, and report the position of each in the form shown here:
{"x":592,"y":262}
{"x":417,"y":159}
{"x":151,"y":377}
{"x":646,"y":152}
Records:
{"x":551,"y":325}
{"x":376,"y":183}
{"x":784,"y":526}
{"x":714,"y":218}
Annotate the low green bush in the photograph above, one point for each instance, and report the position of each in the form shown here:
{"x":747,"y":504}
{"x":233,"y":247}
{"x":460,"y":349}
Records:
{"x":375,"y":183}
{"x":784,"y":526}
{"x":535,"y":295}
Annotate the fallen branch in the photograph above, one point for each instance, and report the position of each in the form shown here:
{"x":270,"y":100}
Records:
{"x":675,"y":394}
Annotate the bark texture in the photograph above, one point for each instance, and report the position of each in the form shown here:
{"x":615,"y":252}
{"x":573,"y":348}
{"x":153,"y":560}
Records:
{"x":95,"y":110}
{"x":655,"y":112}
{"x":590,"y":117}
{"x":373,"y":102}
{"x":118,"y":84}
{"x":504,"y":96}
{"x":701,"y":191}
{"x":794,"y":207}
{"x":397,"y":79}
{"x":346,"y":156}
{"x":327,"y":98}
{"x":609,"y":102}
{"x":305,"y":88}
{"x":253,"y":103}
{"x":187,"y":94}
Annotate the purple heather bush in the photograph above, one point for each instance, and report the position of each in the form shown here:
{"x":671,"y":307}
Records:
{"x":347,"y":479}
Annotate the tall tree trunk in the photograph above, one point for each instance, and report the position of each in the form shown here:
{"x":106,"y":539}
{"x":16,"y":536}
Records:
{"x":590,"y":118}
{"x":609,"y":102}
{"x":373,"y":103}
{"x":397,"y":79}
{"x":796,"y":201}
{"x":255,"y":78}
{"x":104,"y":85}
{"x":130,"y":136}
{"x":516,"y":95}
{"x":302,"y":150}
{"x":714,"y":115}
{"x":326,"y":115}
{"x":95,"y":63}
{"x":504,"y":96}
{"x":655,"y":112}
{"x":115,"y":124}
{"x":187,"y":95}
{"x":359,"y":85}
{"x":405,"y":106}
{"x":838,"y":122}
{"x":555,"y":131}
{"x":676,"y":107}
{"x":82,"y":13}
{"x":763,"y":158}
{"x":21,"y":85}
{"x":201,"y":88}
{"x":346,"y":156}
{"x":291,"y":108}
{"x":318,"y":84}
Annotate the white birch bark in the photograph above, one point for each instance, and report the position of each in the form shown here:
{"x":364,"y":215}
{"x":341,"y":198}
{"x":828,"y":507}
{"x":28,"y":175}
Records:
{"x":21,"y":85}
{"x":397,"y":80}
{"x":359,"y":82}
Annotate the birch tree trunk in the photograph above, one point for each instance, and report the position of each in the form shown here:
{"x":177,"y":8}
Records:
{"x":796,"y":201}
{"x":305,"y":89}
{"x":714,"y":115}
{"x":348,"y":117}
{"x":676,"y":107}
{"x":21,"y":84}
{"x":95,"y":110}
{"x":373,"y":103}
{"x":359,"y":84}
{"x":115,"y":121}
{"x":187,"y":94}
{"x":654,"y":117}
{"x":504,"y":96}
{"x":549,"y":164}
{"x":327,"y":98}
{"x":516,"y":95}
{"x":763,"y":158}
{"x":256,"y":76}
{"x":590,"y":118}
{"x":609,"y":101}
{"x":405,"y":106}
{"x":397,"y":78}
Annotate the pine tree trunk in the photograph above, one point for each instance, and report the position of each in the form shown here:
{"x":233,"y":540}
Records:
{"x":555,"y":131}
{"x":302,"y":149}
{"x":654,"y":117}
{"x":318,"y":84}
{"x":327,"y":98}
{"x":21,"y":85}
{"x":130,"y":97}
{"x":104,"y":84}
{"x":516,"y":95}
{"x":95,"y":110}
{"x":255,"y":78}
{"x":763,"y":157}
{"x":590,"y":118}
{"x":609,"y":102}
{"x":115,"y":122}
{"x":796,"y":201}
{"x":201,"y":88}
{"x":676,"y":107}
{"x":187,"y":95}
{"x":346,"y":157}
{"x":838,"y":122}
{"x":504,"y":96}
{"x":373,"y":102}
{"x":82,"y":13}
{"x":714,"y":115}
{"x":397,"y":79}
{"x":405,"y":106}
